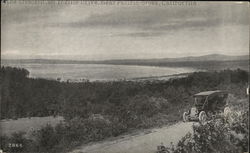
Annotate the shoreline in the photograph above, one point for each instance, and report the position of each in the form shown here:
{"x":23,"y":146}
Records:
{"x":136,"y":79}
{"x":163,"y":77}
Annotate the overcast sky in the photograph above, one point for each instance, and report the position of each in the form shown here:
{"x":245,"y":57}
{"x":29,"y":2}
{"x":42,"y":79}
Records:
{"x":90,"y":32}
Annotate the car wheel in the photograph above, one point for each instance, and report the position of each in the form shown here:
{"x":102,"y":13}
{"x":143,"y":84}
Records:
{"x":202,"y":117}
{"x":185,"y":117}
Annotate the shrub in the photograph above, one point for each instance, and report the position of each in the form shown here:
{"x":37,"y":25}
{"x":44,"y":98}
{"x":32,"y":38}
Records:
{"x":217,"y":136}
{"x":15,"y":143}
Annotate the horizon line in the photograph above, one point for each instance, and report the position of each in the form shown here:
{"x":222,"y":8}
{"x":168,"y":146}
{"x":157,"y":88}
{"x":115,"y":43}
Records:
{"x":59,"y":59}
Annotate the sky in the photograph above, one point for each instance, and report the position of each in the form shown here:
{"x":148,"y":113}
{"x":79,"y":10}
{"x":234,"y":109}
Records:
{"x":99,"y":32}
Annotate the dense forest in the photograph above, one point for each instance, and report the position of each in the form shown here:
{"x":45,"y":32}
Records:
{"x":95,"y":110}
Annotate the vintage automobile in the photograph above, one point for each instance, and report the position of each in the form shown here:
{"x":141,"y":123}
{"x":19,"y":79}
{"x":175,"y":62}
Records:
{"x":207,"y":105}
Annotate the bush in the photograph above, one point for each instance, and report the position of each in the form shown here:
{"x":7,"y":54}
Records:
{"x":47,"y":138}
{"x":217,"y":136}
{"x":16,"y":143}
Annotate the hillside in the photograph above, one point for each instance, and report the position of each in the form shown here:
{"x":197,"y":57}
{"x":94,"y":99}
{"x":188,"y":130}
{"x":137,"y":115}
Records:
{"x":94,"y":111}
{"x":210,"y":57}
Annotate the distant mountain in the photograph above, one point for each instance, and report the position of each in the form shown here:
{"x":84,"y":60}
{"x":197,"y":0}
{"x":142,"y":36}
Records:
{"x":214,"y":57}
{"x":210,"y":57}
{"x":207,"y":62}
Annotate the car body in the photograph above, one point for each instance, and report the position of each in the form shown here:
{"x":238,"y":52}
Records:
{"x":207,"y":104}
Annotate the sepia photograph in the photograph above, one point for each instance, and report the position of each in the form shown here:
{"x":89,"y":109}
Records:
{"x":124,"y":76}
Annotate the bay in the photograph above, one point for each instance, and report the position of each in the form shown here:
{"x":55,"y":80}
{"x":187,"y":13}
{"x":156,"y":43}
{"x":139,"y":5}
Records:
{"x":97,"y":72}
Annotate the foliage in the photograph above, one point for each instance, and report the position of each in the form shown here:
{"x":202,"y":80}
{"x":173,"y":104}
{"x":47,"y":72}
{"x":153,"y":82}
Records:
{"x":217,"y":136}
{"x":24,"y":97}
{"x":12,"y":143}
{"x":96,"y":110}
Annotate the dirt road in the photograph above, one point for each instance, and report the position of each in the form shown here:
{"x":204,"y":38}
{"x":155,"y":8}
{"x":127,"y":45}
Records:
{"x":144,"y":142}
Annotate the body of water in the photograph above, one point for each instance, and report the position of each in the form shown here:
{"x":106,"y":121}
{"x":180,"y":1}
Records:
{"x":100,"y":72}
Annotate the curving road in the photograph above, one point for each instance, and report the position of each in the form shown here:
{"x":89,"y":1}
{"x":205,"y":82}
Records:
{"x":143,"y":142}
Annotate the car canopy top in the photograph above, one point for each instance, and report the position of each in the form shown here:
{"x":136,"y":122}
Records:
{"x":207,"y":93}
{"x":216,"y":101}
